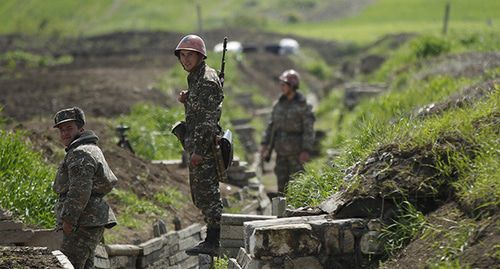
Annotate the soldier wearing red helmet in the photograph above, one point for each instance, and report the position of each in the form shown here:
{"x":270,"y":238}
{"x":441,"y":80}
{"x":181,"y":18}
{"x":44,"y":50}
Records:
{"x":291,"y":77}
{"x":202,"y":101}
{"x":191,"y":43}
{"x":290,"y":130}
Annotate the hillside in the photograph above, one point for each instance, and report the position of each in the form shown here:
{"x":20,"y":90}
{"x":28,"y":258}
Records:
{"x":410,"y":120}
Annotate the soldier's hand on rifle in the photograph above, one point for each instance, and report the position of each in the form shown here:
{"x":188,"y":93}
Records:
{"x":304,"y":157}
{"x":196,"y":159}
{"x":183,"y":96}
{"x":67,"y":227}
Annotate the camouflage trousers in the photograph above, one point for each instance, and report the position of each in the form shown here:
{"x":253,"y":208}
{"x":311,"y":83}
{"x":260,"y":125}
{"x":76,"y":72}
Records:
{"x":286,"y":166}
{"x":204,"y":183}
{"x":80,"y":246}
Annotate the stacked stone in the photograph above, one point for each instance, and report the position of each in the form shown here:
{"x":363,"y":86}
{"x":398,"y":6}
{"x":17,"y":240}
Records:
{"x":314,"y":242}
{"x":246,"y":135}
{"x":253,"y":197}
{"x":232,"y":235}
{"x":166,"y":251}
{"x":239,"y":174}
{"x":122,"y":256}
{"x":12,"y":233}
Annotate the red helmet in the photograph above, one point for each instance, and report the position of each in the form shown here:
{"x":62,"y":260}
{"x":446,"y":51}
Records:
{"x":291,"y":77}
{"x":193,"y":43}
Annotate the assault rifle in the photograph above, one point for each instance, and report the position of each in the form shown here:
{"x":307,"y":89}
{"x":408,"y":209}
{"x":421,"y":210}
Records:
{"x":267,"y":158}
{"x":226,"y":141}
{"x":223,"y":63}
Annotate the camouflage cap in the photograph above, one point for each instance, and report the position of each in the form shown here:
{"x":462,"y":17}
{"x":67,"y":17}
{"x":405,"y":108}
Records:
{"x":69,"y":114}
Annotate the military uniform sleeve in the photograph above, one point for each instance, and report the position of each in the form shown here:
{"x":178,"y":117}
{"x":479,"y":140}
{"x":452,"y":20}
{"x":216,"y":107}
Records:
{"x":81,"y":170}
{"x":208,"y":116}
{"x":308,"y":127}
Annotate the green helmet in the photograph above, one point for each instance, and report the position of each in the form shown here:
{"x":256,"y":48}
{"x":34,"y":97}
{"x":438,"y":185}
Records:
{"x":70,"y":114}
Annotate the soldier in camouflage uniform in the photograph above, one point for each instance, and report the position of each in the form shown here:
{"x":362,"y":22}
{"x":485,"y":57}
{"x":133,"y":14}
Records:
{"x":290,"y":130}
{"x":202,"y":103}
{"x":82,"y":181}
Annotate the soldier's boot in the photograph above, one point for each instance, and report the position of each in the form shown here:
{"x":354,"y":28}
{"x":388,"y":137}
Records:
{"x":209,"y":246}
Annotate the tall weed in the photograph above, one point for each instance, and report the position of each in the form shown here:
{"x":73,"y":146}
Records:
{"x":25,"y":187}
{"x":408,"y":223}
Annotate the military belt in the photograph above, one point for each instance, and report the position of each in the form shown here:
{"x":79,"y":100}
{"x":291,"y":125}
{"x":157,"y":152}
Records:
{"x":95,"y":195}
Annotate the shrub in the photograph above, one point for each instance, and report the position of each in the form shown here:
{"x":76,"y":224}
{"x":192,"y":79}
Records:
{"x":12,"y":59}
{"x":430,"y":46}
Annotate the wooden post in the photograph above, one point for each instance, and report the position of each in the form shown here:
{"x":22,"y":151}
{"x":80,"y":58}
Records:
{"x":446,"y":17}
{"x":198,"y":13}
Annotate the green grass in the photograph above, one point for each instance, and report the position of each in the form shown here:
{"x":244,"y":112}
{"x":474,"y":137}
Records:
{"x":387,"y":119}
{"x":456,"y":238}
{"x":13,"y":59}
{"x":25,"y":188}
{"x":171,"y":197}
{"x":133,"y":210}
{"x":149,"y":134}
{"x":379,"y":18}
{"x":408,"y":223}
{"x":393,"y":16}
{"x":375,"y":128}
{"x":415,"y":53}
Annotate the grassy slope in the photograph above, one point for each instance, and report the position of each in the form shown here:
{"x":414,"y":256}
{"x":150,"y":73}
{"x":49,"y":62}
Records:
{"x":95,"y":16}
{"x":377,"y":19}
{"x":395,"y":16}
{"x":387,"y":119}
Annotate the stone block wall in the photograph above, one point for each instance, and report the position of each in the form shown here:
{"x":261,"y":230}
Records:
{"x":166,"y":251}
{"x":232,"y":232}
{"x":316,"y":242}
{"x":13,"y":233}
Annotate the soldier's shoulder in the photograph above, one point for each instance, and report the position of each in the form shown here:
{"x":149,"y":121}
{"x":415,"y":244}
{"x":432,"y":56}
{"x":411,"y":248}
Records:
{"x":211,"y":75}
{"x":86,"y":152}
{"x":300,"y":98}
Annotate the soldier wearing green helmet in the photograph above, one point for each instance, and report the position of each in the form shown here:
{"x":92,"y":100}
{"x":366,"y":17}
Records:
{"x":82,"y":181}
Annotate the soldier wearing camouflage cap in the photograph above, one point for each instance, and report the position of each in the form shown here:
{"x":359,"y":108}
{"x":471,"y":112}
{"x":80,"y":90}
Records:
{"x":290,"y":130}
{"x":82,"y":181}
{"x":202,"y":103}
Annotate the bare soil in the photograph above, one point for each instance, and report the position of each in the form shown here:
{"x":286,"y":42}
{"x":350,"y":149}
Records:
{"x":27,"y":258}
{"x":483,"y":235}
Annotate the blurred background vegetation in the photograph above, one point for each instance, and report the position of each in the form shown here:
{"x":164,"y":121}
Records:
{"x":365,"y":22}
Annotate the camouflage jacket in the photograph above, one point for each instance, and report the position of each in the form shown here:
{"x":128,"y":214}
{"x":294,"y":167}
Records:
{"x":202,"y":109}
{"x":82,"y":180}
{"x":292,"y":122}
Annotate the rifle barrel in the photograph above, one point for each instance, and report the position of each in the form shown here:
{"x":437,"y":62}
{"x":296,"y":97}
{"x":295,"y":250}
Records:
{"x":223,"y":64}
